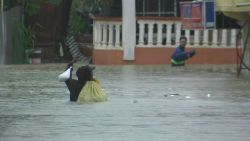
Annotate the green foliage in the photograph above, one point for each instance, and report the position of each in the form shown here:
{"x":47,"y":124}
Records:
{"x":94,"y":5}
{"x":76,"y":21}
{"x":8,"y":4}
{"x":26,"y":35}
{"x":55,"y":2}
{"x":97,"y":2}
{"x":23,"y":41}
{"x":31,"y":7}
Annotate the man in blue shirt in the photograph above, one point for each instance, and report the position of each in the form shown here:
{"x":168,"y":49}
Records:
{"x":179,"y":56}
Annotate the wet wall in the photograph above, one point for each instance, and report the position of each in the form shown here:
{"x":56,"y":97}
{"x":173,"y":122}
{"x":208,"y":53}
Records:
{"x":8,"y":21}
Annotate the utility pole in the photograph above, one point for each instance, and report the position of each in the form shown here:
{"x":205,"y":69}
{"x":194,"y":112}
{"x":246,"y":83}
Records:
{"x":2,"y":36}
{"x":1,"y":13}
{"x":2,"y":24}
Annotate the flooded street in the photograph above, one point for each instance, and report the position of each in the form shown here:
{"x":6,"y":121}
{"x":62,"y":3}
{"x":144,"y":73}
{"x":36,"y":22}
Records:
{"x":145,"y":103}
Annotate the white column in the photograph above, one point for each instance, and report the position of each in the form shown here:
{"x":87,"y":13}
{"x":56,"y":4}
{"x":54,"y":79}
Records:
{"x":224,"y":37}
{"x":205,"y":37}
{"x":177,"y":33}
{"x":187,"y":34}
{"x":196,"y":37}
{"x":141,"y":33}
{"x":99,"y":35}
{"x":233,"y":38}
{"x":110,"y":35}
{"x":96,"y":35}
{"x":104,"y":36}
{"x":159,"y":34}
{"x":128,"y":29}
{"x":117,"y":35}
{"x":150,"y":33}
{"x":215,"y":37}
{"x":169,"y":34}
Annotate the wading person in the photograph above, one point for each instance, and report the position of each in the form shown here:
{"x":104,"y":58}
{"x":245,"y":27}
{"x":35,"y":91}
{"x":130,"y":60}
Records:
{"x":179,"y":56}
{"x":85,"y":88}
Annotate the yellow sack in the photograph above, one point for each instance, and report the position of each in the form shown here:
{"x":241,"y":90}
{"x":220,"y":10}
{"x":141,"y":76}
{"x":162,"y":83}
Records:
{"x":92,"y":92}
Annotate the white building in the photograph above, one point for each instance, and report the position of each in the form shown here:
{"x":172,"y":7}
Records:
{"x":144,"y":35}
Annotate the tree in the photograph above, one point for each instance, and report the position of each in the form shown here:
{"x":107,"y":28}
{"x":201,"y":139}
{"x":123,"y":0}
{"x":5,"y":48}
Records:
{"x":69,"y":22}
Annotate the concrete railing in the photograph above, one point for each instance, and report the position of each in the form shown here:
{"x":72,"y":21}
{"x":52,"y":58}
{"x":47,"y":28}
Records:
{"x":107,"y":33}
{"x":160,"y":33}
{"x":166,"y":33}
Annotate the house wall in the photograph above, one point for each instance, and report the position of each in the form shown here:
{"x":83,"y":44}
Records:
{"x":151,"y":56}
{"x":162,"y":55}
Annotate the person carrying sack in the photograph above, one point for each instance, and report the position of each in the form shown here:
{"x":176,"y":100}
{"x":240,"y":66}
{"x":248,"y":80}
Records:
{"x":85,"y":88}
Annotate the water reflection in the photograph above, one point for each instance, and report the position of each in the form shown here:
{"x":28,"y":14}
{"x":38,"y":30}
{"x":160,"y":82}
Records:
{"x":145,"y":103}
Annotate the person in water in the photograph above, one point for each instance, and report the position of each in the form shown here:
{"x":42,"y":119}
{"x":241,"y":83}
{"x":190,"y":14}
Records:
{"x":179,"y":56}
{"x":84,"y":74}
{"x":85,"y":88}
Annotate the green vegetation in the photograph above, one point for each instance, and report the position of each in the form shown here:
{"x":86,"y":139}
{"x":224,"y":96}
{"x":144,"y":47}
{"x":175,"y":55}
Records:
{"x":24,"y":36}
{"x":31,"y":7}
{"x":23,"y":42}
{"x":94,"y":5}
{"x":76,"y":22}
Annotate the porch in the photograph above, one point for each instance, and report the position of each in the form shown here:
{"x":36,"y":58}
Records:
{"x":156,"y":39}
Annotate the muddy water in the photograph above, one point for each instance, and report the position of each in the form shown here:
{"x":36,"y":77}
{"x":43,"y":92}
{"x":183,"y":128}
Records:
{"x":147,"y":103}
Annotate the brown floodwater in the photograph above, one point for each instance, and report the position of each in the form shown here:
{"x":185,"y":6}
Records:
{"x":147,"y":103}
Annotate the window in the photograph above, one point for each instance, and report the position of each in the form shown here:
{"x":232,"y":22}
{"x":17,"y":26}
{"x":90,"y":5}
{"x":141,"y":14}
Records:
{"x":156,"y":8}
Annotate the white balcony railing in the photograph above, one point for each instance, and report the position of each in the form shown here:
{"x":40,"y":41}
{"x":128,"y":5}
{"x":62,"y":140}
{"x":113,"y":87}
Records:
{"x":160,"y":33}
{"x":107,"y":34}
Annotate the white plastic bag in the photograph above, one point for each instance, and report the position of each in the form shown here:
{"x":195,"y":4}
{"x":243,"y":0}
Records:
{"x":65,"y":75}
